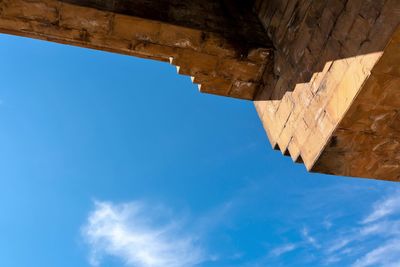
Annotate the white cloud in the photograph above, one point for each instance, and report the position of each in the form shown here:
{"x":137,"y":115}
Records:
{"x":137,"y":234}
{"x":310,"y":239}
{"x":384,"y":208}
{"x":387,"y":255}
{"x":278,"y":251}
{"x":331,"y":259}
{"x":327,"y":224}
{"x":338,"y":244}
{"x":381,"y":225}
{"x":144,"y":236}
{"x":373,"y":240}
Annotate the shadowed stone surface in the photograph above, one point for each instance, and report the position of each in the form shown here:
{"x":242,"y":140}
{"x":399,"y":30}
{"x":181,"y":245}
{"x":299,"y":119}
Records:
{"x":199,"y":37}
{"x":316,"y":104}
{"x":366,"y":143}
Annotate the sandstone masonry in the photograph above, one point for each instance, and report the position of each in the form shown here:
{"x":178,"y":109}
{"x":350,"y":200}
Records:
{"x":317,"y":105}
{"x":199,"y":37}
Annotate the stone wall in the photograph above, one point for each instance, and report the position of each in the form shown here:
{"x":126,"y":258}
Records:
{"x":366,"y":143}
{"x":324,"y":54}
{"x":196,"y":36}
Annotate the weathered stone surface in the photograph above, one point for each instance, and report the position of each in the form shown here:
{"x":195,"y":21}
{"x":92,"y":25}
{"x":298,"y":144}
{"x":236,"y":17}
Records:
{"x":333,"y":99}
{"x":197,"y":35}
{"x":131,"y":28}
{"x":369,"y":132}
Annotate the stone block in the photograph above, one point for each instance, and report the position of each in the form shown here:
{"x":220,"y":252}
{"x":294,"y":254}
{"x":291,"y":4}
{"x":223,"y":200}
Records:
{"x":182,"y":37}
{"x":343,"y":95}
{"x":389,"y":62}
{"x":45,"y":11}
{"x":196,"y":62}
{"x":259,"y":55}
{"x":243,"y":90}
{"x":213,"y":85}
{"x":215,"y":44}
{"x":155,"y":50}
{"x":82,"y":18}
{"x":294,"y":149}
{"x":241,"y":70}
{"x":131,"y":28}
{"x":311,"y":148}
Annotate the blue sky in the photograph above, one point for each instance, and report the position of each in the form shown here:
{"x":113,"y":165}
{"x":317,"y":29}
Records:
{"x":110,"y":160}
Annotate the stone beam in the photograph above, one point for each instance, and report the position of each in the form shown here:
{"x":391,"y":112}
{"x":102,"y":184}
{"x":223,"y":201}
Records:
{"x":201,"y":38}
{"x":331,"y":99}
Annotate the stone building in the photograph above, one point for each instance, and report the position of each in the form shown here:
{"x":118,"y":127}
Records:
{"x":324,"y":75}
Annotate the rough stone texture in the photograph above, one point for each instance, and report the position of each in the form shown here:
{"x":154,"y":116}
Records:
{"x":366,"y":143}
{"x":326,"y":102}
{"x":199,"y":37}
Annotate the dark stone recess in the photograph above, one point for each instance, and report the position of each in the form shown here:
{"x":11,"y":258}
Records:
{"x":233,"y":19}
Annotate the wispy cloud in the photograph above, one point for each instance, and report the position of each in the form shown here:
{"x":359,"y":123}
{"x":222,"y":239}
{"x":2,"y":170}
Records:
{"x":327,"y":223}
{"x":384,"y":208}
{"x":338,"y":244}
{"x":387,"y":255}
{"x":379,"y":226}
{"x":373,"y":240}
{"x":383,"y":224}
{"x":140,"y":235}
{"x":310,"y":239}
{"x":278,"y":251}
